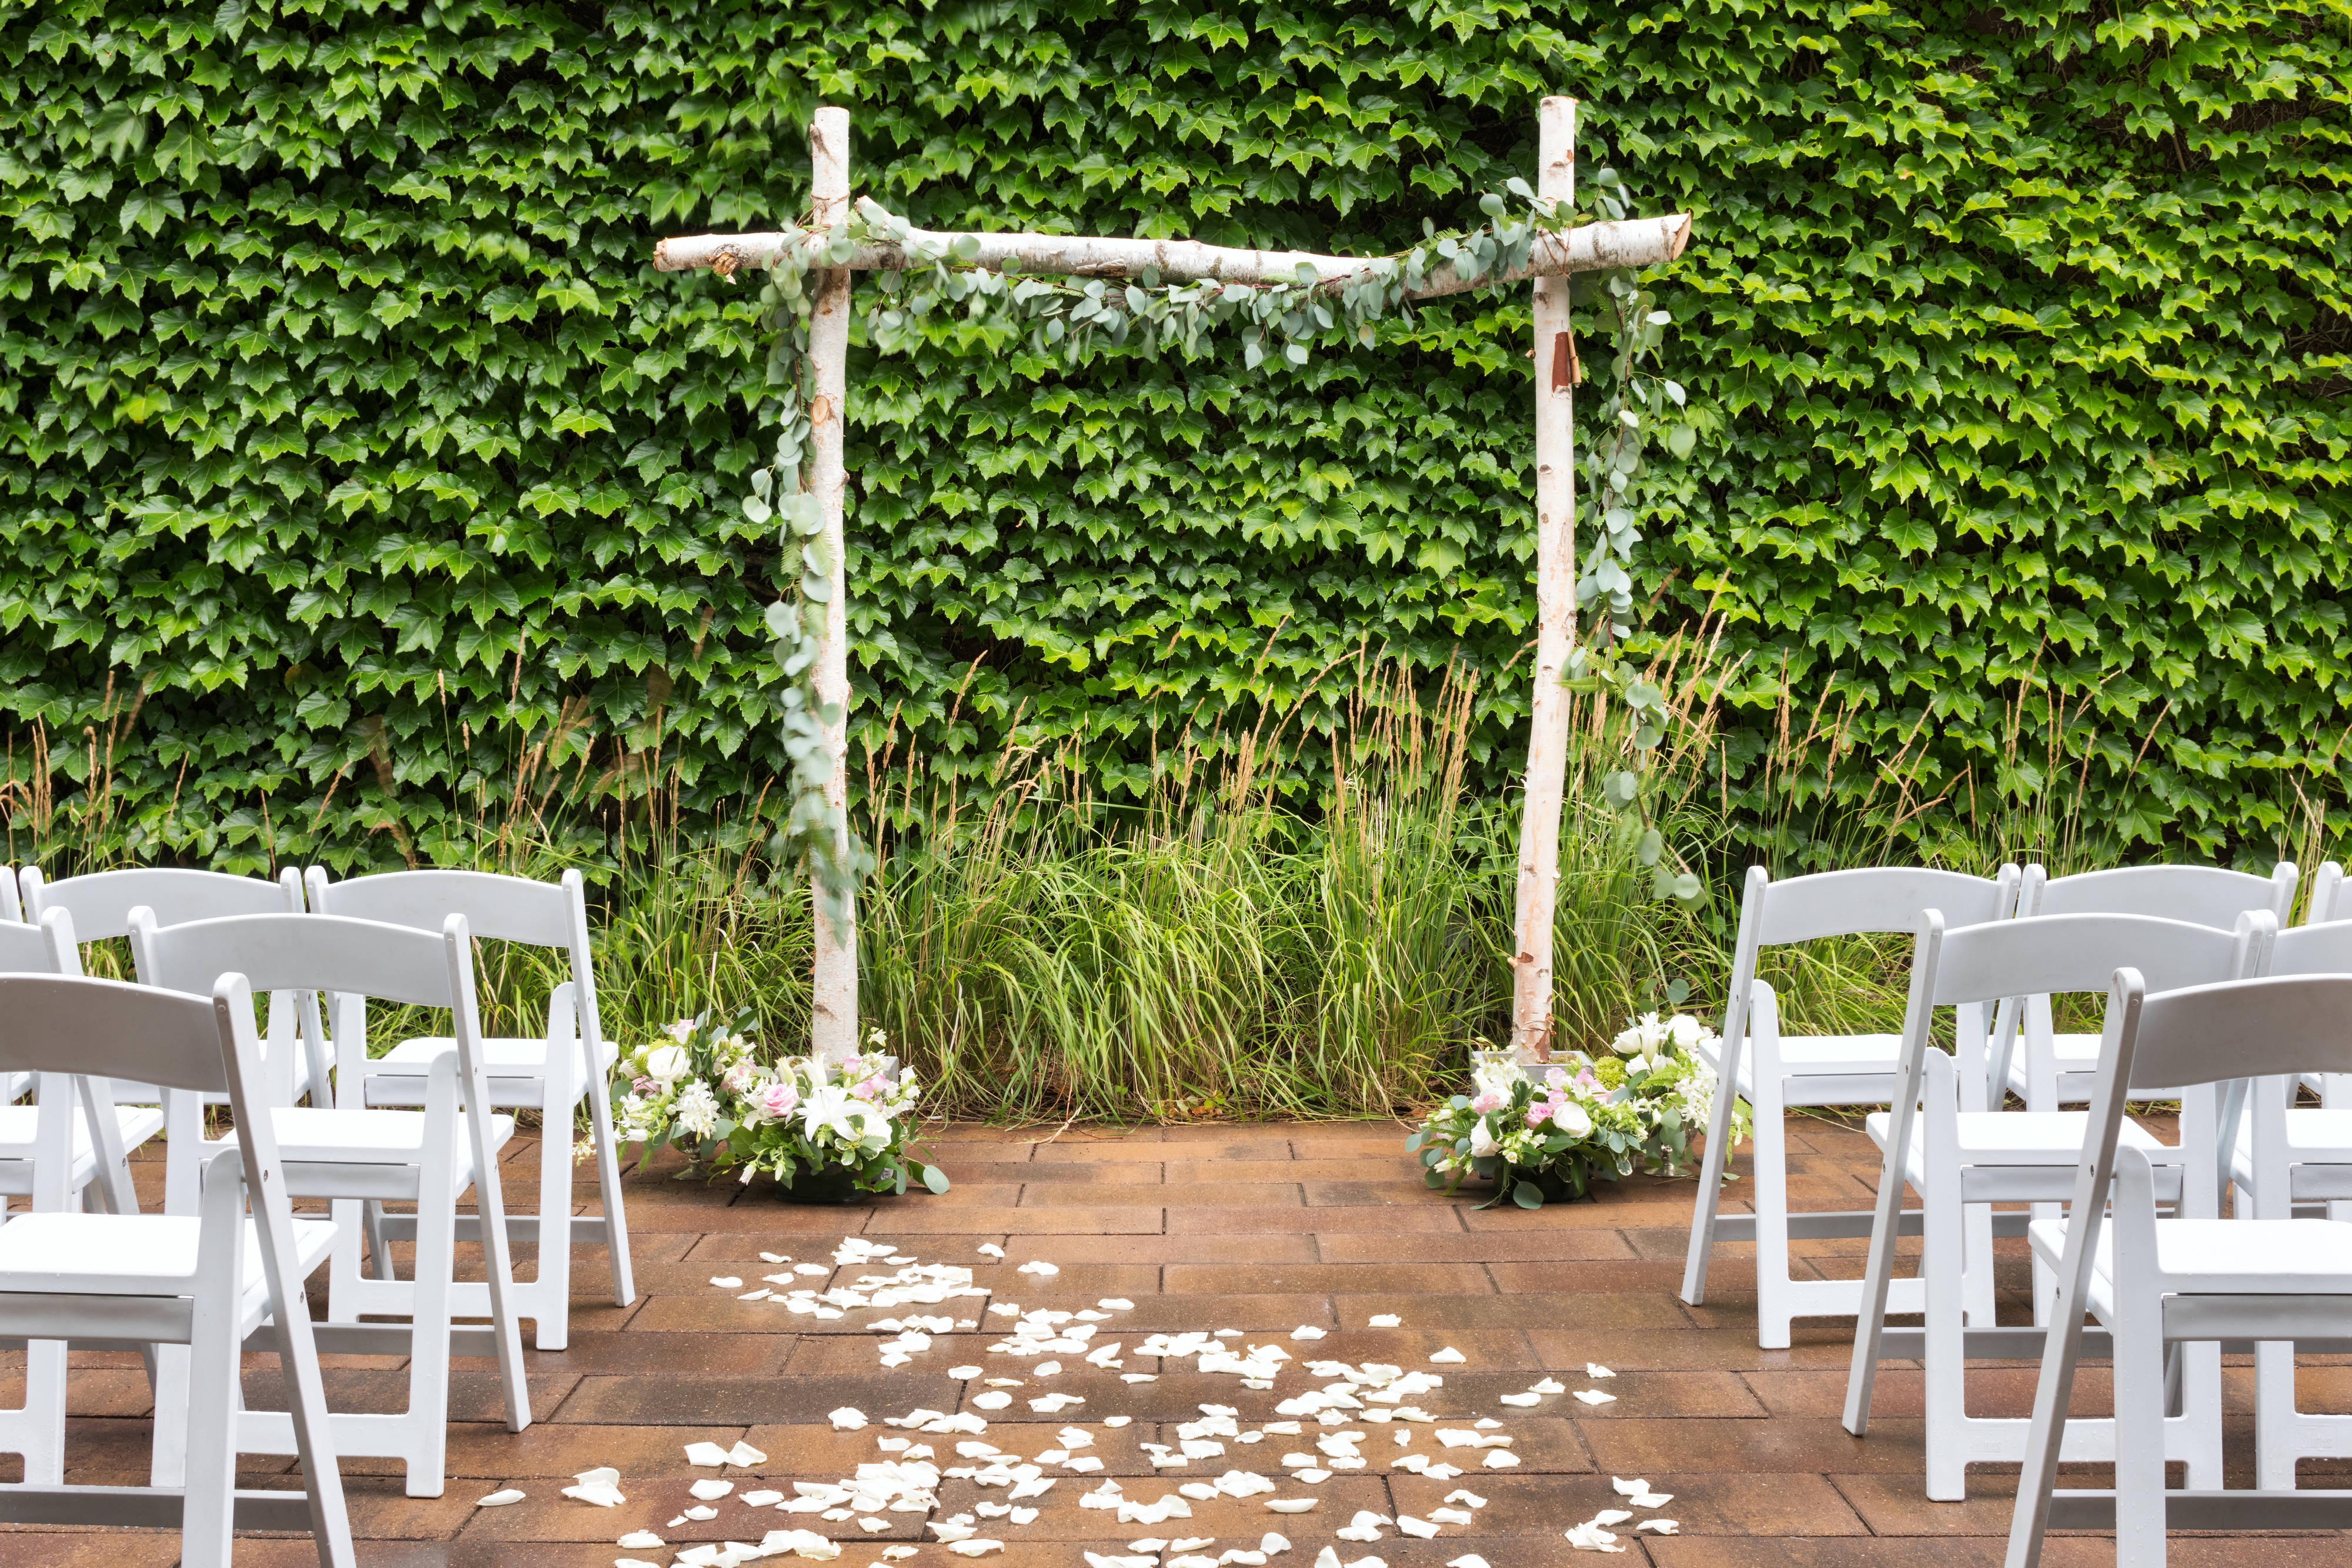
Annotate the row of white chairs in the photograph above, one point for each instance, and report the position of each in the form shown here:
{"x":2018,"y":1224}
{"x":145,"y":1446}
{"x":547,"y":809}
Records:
{"x":419,"y":1124}
{"x":1993,"y":960}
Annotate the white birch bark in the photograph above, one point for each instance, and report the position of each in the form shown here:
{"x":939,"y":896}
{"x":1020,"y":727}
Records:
{"x":834,"y":1019}
{"x":1591,"y":248}
{"x":1539,"y":878}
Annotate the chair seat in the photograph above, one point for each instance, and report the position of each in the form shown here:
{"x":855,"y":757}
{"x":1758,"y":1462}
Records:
{"x":311,"y":1136}
{"x":2027,"y":1138}
{"x":1822,"y":1056}
{"x":19,"y":1125}
{"x":129,"y":1254}
{"x":2313,"y":1137}
{"x":517,"y":1071}
{"x":2223,"y":1257}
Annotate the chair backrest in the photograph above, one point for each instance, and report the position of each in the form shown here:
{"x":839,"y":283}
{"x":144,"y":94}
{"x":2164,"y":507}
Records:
{"x":12,"y":908}
{"x":2329,"y":900}
{"x":101,"y":901}
{"x":47,"y":948}
{"x":299,"y":953}
{"x":111,"y":1028}
{"x":1869,"y":899}
{"x":497,"y":909}
{"x":2200,"y":894}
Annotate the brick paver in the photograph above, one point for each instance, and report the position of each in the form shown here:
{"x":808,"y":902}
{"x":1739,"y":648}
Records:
{"x":1260,"y":1229}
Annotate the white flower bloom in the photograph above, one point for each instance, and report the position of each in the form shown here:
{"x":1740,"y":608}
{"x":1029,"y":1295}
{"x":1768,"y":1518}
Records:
{"x":697,"y":1109}
{"x":1573,"y":1120}
{"x":1685,"y":1032}
{"x":667,"y":1063}
{"x":1482,"y":1140}
{"x":680,"y":1029}
{"x":830,"y":1107}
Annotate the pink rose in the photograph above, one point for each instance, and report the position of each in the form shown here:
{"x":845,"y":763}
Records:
{"x":1489,"y":1101}
{"x":873,"y":1088}
{"x":1536,"y":1112}
{"x":644,"y":1086}
{"x":779,"y":1100}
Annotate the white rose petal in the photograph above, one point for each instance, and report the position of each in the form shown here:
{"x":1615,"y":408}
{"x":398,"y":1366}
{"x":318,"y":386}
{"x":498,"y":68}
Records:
{"x":1116,"y":1420}
{"x":1271,"y":1543}
{"x":1591,"y":1537}
{"x":774,"y":1257}
{"x":1594,"y":1369}
{"x":762,"y":1499}
{"x":1594,"y":1396}
{"x":1502,"y":1460}
{"x":1465,"y":1496}
{"x":727,"y":1282}
{"x":503,"y":1497}
{"x":712,"y":1491}
{"x":1307,"y":1331}
{"x":848,"y":1418}
{"x":990,"y":1249}
{"x":743,"y":1456}
{"x":1449,"y":1356}
{"x":963,"y":1372}
{"x":700,"y":1512}
{"x":1387,"y":1320}
{"x":974,"y":1548}
{"x":1650,"y":1500}
{"x":1662,"y":1526}
{"x":1550,"y":1386}
{"x":1116,"y":1305}
{"x":1038,"y":1267}
{"x":1521,"y":1400}
{"x":992,"y":1400}
{"x":1467,"y":1560}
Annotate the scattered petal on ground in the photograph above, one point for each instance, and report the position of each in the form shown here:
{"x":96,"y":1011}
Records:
{"x":1594,"y":1369}
{"x":1594,"y":1396}
{"x":501,"y":1499}
{"x":639,"y":1541}
{"x":1662,"y":1526}
{"x":1307,"y":1331}
{"x":712,"y":1491}
{"x":728,"y":1283}
{"x":1449,"y":1356}
{"x":848,"y":1418}
{"x":1387,"y":1320}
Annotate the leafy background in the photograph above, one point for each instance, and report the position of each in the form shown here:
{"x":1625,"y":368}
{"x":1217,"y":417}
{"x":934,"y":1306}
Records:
{"x":359,"y":482}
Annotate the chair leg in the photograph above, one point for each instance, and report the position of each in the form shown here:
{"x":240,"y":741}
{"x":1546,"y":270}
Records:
{"x":429,"y":1347}
{"x":617,"y":1218}
{"x":343,"y":1262}
{"x":167,"y":1464}
{"x":1704,"y":1206}
{"x":2139,"y":1335}
{"x":1979,"y":1283}
{"x":42,"y":1430}
{"x":208,"y":1518}
{"x":2200,"y":1401}
{"x":379,"y":1242}
{"x":2274,"y":1415}
{"x":1940,"y":1264}
{"x":1770,"y":1199}
{"x":551,"y":1322}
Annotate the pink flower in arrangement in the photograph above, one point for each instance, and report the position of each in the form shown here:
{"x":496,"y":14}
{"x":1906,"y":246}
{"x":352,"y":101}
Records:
{"x":1536,"y":1112}
{"x":873,"y":1088}
{"x":779,"y":1100}
{"x":644,"y":1086}
{"x":1586,"y":1082}
{"x":1489,"y":1101}
{"x":738,"y":1078}
{"x":1556,"y":1078}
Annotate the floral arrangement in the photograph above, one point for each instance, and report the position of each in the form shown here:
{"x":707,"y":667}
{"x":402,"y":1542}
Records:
{"x":1593,"y":1118}
{"x":820,"y":1130}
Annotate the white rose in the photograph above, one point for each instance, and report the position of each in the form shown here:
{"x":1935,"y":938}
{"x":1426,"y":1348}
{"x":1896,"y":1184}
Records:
{"x":1481,"y":1142}
{"x":1684,"y":1030}
{"x":667,"y":1063}
{"x":1572,"y":1120}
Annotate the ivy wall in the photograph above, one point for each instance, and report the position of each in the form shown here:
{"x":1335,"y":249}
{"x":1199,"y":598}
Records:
{"x":359,"y":479}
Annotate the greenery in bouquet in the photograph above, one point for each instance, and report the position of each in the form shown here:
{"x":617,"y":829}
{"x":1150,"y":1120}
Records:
{"x":703,"y":1089}
{"x":1592,"y":1118}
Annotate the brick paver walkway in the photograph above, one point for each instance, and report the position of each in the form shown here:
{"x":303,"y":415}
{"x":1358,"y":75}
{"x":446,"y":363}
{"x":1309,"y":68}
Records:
{"x":1253,"y":1227}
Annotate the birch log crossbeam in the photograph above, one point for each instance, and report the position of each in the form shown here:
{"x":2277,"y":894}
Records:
{"x":1588,"y":247}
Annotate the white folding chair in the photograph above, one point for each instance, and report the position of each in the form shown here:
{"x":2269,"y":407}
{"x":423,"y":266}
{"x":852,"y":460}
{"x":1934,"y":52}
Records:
{"x":2154,"y":1282}
{"x":12,"y":908}
{"x":2056,"y":1070}
{"x":550,"y":1074}
{"x":1773,"y":1073}
{"x":53,"y":1160}
{"x":2286,"y":1160}
{"x":101,"y":901}
{"x":349,"y":1153}
{"x":1957,"y":1158}
{"x":202,"y":1281}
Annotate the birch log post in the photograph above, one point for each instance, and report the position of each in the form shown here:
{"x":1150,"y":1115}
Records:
{"x":1591,"y":248}
{"x":832,"y":1032}
{"x":1555,"y":610}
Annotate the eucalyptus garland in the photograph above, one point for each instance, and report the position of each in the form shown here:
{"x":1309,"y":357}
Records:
{"x":1056,"y":315}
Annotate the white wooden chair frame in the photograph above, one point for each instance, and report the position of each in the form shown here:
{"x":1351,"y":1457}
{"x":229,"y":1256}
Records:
{"x":101,"y":903}
{"x":350,"y":1155}
{"x":1775,"y":1075}
{"x":2154,"y":1282}
{"x":176,"y":1279}
{"x":2286,"y":1161}
{"x":549,"y":1075}
{"x":1956,"y":1159}
{"x":55,"y":1160}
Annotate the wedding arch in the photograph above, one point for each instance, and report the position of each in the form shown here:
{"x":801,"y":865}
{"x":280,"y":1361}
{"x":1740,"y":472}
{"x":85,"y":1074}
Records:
{"x":1061,"y":288}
